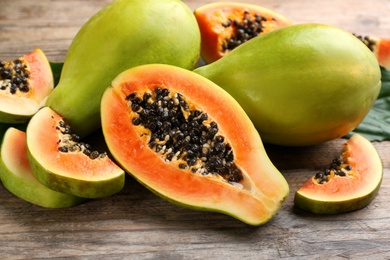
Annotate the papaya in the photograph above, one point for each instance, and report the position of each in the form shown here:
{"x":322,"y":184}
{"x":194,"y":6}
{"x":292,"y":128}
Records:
{"x":4,"y":127}
{"x":190,"y":142}
{"x":123,"y":34}
{"x":25,"y":84}
{"x":17,"y":177}
{"x":226,"y":25}
{"x":302,"y":84}
{"x":380,"y":47}
{"x":350,"y":182}
{"x":61,"y":161}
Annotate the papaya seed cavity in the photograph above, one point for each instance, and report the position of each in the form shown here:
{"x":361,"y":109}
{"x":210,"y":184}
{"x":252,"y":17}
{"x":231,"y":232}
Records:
{"x":183,"y":134}
{"x":70,"y":143}
{"x":370,"y":43}
{"x":14,"y":76}
{"x":244,"y":29}
{"x":338,"y":167}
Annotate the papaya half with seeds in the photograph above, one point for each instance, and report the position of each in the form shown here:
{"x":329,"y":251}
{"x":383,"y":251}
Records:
{"x":350,"y":182}
{"x":300,"y":85}
{"x":226,"y":25}
{"x":380,"y":47}
{"x":63,"y":162}
{"x":190,"y":142}
{"x":124,"y":34}
{"x":25,"y":84}
{"x":17,"y":177}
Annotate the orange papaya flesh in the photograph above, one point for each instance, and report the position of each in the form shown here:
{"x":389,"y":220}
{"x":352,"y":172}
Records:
{"x":225,"y":25}
{"x":349,"y":183}
{"x":25,"y":84}
{"x":380,"y":47}
{"x":173,"y":162}
{"x":62,"y":162}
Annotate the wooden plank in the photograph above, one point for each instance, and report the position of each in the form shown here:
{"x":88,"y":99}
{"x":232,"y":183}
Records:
{"x":137,"y":224}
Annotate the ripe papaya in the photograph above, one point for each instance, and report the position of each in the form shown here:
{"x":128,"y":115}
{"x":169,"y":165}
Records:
{"x":4,"y":127}
{"x":17,"y":177}
{"x":124,"y":34}
{"x":226,"y":25}
{"x":189,"y":141}
{"x":302,"y":84}
{"x":350,"y":182}
{"x":61,"y":161}
{"x":25,"y":84}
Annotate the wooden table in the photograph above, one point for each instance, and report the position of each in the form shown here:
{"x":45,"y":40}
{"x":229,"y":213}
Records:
{"x":138,"y":225}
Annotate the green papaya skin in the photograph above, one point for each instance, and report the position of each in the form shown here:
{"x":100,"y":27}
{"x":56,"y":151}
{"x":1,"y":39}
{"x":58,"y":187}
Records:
{"x":124,"y":34}
{"x":300,"y":85}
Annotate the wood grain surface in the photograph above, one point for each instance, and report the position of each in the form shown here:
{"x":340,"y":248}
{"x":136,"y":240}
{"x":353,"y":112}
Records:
{"x":136,"y":224}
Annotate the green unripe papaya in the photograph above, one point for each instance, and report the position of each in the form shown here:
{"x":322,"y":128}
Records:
{"x":300,"y":85}
{"x":124,"y":34}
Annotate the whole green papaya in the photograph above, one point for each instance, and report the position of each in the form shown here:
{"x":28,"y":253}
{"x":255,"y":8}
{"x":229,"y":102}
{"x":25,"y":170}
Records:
{"x":124,"y":34}
{"x":300,"y":85}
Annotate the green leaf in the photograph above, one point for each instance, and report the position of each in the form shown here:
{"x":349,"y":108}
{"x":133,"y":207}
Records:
{"x":376,"y":125}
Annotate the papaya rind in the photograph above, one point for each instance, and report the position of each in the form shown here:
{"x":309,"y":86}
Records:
{"x":15,"y":118}
{"x":82,"y":188}
{"x":22,"y":183}
{"x":334,"y":207}
{"x":240,"y":217}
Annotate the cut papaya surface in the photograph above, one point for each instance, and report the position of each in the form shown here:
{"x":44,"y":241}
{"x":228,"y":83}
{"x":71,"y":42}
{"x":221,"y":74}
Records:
{"x":64,"y":163}
{"x":226,"y":25}
{"x":190,"y":142}
{"x":17,"y":177}
{"x":349,"y":183}
{"x":25,"y":84}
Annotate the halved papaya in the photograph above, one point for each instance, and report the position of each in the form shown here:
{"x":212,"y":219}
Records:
{"x":188,"y":141}
{"x":62,"y":162}
{"x":226,"y":25}
{"x":380,"y":47}
{"x":17,"y":177}
{"x":349,"y":183}
{"x":25,"y":84}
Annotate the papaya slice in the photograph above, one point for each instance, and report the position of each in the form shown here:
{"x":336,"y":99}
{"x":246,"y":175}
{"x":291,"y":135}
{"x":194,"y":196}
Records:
{"x":4,"y":127}
{"x":17,"y":177}
{"x":226,"y":25}
{"x":188,"y":141}
{"x":380,"y":47}
{"x":25,"y":84}
{"x":62,"y":162}
{"x":350,"y":183}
